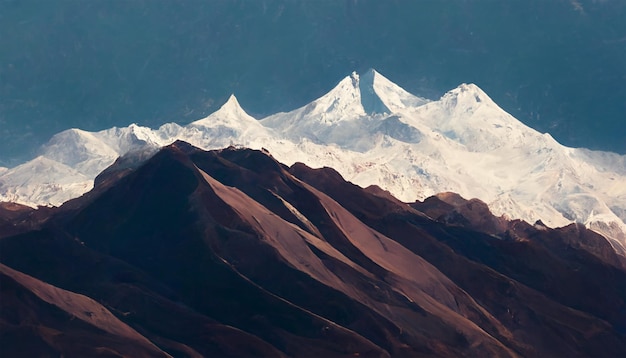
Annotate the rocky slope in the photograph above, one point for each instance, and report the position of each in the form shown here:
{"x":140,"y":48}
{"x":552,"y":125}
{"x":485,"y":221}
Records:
{"x":231,"y":253}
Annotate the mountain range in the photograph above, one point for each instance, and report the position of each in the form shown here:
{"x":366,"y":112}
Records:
{"x":374,"y":133}
{"x":557,"y":66}
{"x":230,"y":253}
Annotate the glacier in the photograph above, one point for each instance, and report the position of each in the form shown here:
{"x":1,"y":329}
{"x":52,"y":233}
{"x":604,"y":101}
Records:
{"x":373,"y":132}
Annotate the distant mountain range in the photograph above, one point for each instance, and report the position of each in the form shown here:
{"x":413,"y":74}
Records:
{"x":557,"y":66}
{"x":374,"y":133}
{"x":230,"y":253}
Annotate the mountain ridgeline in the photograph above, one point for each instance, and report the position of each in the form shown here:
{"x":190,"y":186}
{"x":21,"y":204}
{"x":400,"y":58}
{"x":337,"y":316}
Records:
{"x":374,"y":133}
{"x":231,"y":253}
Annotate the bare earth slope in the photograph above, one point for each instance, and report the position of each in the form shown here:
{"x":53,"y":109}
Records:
{"x":230,"y":253}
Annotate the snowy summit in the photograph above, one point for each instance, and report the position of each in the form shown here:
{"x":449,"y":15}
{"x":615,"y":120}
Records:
{"x":374,"y":133}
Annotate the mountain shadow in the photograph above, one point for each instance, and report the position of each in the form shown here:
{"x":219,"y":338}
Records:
{"x":231,"y":253}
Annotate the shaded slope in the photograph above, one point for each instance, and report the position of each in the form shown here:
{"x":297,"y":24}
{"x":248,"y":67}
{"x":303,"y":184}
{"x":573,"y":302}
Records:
{"x":231,"y":253}
{"x":413,"y":288}
{"x":173,"y":246}
{"x":40,"y":319}
{"x":529,"y":287}
{"x":222,"y":218}
{"x":12,"y":218}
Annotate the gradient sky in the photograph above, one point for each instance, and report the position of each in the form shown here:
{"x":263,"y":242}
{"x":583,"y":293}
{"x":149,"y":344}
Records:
{"x":557,"y":65}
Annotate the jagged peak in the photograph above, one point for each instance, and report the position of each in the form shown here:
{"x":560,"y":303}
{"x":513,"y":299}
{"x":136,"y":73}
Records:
{"x":231,"y":112}
{"x":232,"y":106}
{"x":469,"y":101}
{"x":392,"y":97}
{"x":370,"y":98}
{"x":355,"y":78}
{"x":342,"y":101}
{"x":467,"y":93}
{"x":356,"y":95}
{"x":232,"y":102}
{"x":140,"y":132}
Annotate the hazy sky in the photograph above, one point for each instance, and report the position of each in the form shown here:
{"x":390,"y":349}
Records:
{"x":557,"y":65}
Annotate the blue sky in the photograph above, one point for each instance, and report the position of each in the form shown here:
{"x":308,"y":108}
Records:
{"x":557,"y":65}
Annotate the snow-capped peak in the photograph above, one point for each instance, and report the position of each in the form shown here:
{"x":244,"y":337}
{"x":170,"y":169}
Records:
{"x":374,"y":132}
{"x":229,"y":125}
{"x":75,"y":146}
{"x":355,"y":79}
{"x":344,"y":100}
{"x":355,"y":99}
{"x":356,"y":95}
{"x":467,"y":115}
{"x":467,"y":95}
{"x":370,"y":99}
{"x":392,"y":98}
{"x":230,"y":113}
{"x":232,"y":107}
